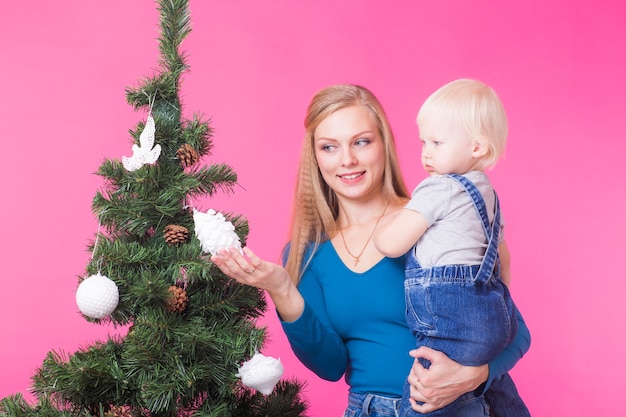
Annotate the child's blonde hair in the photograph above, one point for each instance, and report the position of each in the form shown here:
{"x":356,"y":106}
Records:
{"x":477,"y":107}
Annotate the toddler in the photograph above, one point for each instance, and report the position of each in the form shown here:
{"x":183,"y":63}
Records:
{"x":458,"y":263}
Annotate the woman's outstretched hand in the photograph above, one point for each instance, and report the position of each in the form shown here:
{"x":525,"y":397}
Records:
{"x":249,"y":269}
{"x":443,"y":382}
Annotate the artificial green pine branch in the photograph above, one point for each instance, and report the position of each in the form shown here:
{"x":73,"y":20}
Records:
{"x":171,"y":362}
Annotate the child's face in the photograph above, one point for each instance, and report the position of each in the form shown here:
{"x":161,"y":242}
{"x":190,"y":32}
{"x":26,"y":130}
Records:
{"x":447,"y":148}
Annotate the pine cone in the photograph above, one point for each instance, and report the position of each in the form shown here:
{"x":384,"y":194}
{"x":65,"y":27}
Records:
{"x":177,"y":303}
{"x":175,"y":234}
{"x":188,"y":155}
{"x":119,"y":411}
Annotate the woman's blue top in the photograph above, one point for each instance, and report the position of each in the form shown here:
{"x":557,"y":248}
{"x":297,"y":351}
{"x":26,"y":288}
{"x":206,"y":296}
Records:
{"x":354,"y":324}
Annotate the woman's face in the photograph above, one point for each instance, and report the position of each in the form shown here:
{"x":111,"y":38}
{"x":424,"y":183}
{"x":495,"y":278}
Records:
{"x":350,"y":153}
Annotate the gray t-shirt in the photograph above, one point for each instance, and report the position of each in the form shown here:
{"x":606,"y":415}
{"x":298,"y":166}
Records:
{"x":455,"y":234}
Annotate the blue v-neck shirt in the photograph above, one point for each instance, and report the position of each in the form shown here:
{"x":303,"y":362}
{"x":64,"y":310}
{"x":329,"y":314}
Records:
{"x":354,"y":324}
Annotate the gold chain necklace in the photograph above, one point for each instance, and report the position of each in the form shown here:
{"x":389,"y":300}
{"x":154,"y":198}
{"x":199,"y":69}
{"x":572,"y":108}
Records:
{"x":357,"y":258}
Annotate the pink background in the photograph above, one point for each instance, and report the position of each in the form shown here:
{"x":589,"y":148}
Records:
{"x":558,"y":66}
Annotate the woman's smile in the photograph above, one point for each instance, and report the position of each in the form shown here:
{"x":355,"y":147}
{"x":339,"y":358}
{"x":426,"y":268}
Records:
{"x":352,"y":176}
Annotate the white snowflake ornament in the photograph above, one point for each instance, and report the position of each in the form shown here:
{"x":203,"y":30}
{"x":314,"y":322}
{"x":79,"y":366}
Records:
{"x":261,"y":373}
{"x":214,"y":232}
{"x":97,"y":296}
{"x":145,"y":153}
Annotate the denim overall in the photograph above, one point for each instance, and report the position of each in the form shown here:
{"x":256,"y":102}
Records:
{"x":464,"y":311}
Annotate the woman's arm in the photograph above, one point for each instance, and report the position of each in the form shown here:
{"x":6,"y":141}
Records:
{"x":317,"y":346}
{"x":312,"y":338}
{"x":443,"y":382}
{"x":256,"y":272}
{"x":446,"y":380}
{"x":508,"y":358}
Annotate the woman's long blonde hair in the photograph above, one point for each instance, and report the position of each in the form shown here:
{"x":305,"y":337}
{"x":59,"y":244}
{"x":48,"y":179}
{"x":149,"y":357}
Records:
{"x":315,"y":207}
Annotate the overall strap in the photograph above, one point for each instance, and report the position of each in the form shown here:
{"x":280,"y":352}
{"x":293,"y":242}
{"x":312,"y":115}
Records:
{"x":492,"y":232}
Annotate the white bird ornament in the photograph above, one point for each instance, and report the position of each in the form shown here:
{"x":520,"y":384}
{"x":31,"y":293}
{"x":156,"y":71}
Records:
{"x":145,"y":153}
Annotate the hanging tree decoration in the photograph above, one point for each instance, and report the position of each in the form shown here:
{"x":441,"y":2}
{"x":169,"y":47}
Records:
{"x":187,"y":155}
{"x":178,"y":299}
{"x":119,"y":411}
{"x":177,"y":302}
{"x":215,"y":232}
{"x":97,"y":296}
{"x":147,"y":152}
{"x":261,"y":373}
{"x":175,"y":234}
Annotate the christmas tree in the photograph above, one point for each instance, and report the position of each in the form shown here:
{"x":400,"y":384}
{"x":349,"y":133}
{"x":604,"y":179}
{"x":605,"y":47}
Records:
{"x":190,"y":328}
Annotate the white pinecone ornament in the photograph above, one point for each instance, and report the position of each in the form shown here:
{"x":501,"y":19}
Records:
{"x":261,"y":373}
{"x":97,"y":296}
{"x":214,"y":232}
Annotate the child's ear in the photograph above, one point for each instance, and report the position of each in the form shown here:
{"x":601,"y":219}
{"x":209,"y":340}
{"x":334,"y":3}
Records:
{"x":480,"y":146}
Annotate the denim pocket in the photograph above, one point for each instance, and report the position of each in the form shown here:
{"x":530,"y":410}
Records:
{"x":419,"y":315}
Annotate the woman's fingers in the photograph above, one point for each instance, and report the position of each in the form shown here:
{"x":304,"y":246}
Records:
{"x":423,"y":404}
{"x":231,"y":262}
{"x":239,"y":263}
{"x":253,"y":261}
{"x":244,"y":269}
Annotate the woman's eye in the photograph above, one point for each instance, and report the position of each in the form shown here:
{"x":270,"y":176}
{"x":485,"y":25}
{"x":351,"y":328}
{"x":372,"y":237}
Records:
{"x":328,"y":148}
{"x":362,"y":142}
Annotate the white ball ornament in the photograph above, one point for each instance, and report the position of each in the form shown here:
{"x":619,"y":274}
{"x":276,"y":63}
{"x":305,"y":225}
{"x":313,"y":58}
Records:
{"x":261,"y":373}
{"x":214,"y":232}
{"x":97,"y":296}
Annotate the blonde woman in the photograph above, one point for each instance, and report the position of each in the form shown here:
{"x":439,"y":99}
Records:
{"x":341,"y":302}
